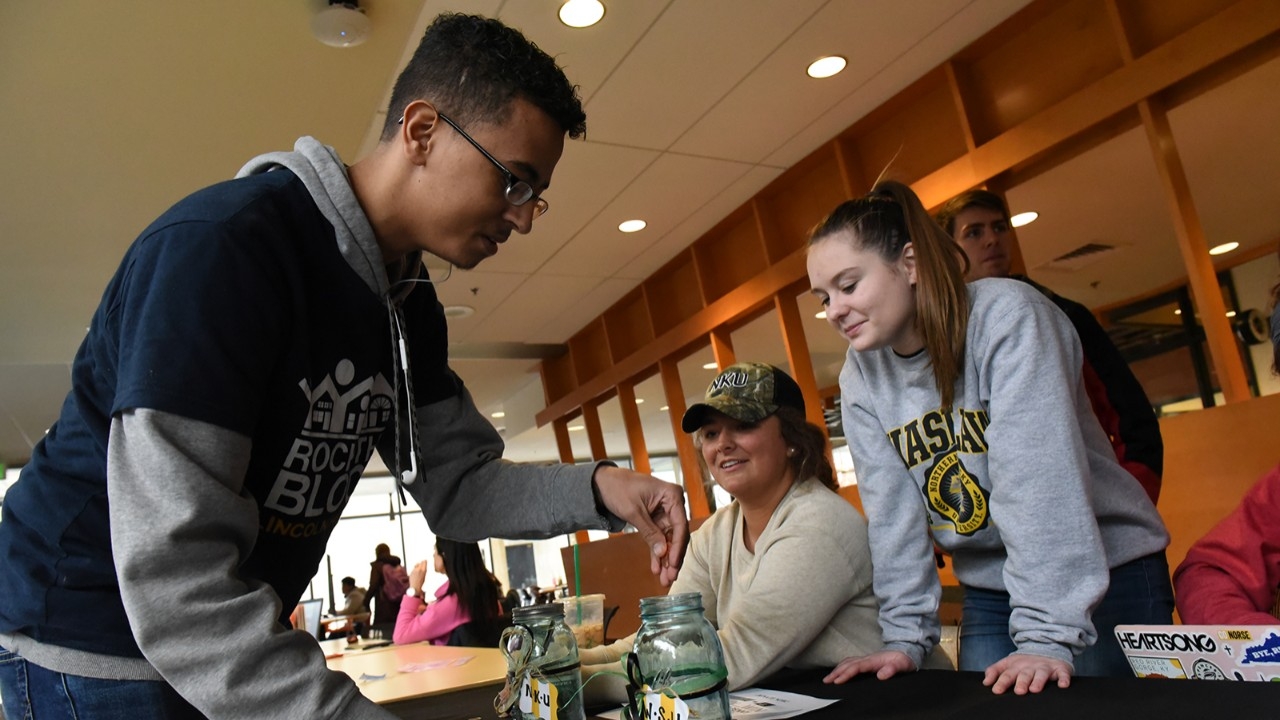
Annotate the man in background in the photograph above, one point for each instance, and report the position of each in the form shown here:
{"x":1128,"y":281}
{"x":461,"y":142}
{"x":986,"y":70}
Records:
{"x":979,"y":221}
{"x":354,"y":608}
{"x":354,"y":597}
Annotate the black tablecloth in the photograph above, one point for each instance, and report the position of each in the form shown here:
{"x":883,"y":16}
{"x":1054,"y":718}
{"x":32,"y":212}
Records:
{"x":935,"y":694}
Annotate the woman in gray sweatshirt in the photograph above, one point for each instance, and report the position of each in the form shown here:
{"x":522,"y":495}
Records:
{"x":970,"y":427}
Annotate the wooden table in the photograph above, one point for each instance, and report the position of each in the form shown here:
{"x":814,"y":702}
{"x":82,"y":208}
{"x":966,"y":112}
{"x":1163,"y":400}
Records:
{"x":443,"y":692}
{"x":333,"y":623}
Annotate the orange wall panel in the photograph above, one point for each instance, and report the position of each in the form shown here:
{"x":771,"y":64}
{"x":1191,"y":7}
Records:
{"x":627,"y":325}
{"x":557,"y":377}
{"x":801,"y":201}
{"x":916,"y":138}
{"x":730,"y":256}
{"x":1211,"y":457}
{"x":1151,"y":23}
{"x":590,"y":351}
{"x":673,"y":293}
{"x":1063,"y":52}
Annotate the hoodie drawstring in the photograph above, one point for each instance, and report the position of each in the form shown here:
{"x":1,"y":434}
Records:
{"x":405,"y":412}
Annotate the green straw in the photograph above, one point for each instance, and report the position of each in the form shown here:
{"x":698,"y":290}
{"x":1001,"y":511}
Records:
{"x":577,"y":580}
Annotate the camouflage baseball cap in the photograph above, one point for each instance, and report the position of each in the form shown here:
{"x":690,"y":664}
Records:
{"x":747,"y":392}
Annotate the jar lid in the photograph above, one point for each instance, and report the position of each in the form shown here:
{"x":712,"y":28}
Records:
{"x":537,"y":612}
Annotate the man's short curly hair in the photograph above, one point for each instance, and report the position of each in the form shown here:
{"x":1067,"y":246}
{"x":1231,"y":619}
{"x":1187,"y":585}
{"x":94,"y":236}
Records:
{"x":472,"y":67}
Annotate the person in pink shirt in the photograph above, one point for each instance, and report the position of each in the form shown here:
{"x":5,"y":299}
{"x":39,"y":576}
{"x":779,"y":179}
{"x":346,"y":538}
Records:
{"x":1230,"y":576}
{"x":468,"y":598}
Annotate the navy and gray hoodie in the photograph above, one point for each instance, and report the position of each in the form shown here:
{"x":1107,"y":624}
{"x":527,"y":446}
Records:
{"x":235,"y":381}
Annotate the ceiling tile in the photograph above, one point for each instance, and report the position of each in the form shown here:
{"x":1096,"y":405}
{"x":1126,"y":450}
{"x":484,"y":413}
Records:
{"x":492,"y":382}
{"x":1218,"y":136}
{"x":561,"y":327}
{"x":539,"y":300}
{"x":692,"y":56}
{"x":1081,"y":201}
{"x":936,"y":31}
{"x":588,"y":55}
{"x":699,"y":222}
{"x":760,"y":123}
{"x":666,"y":193}
{"x":589,"y":176}
{"x":479,"y":289}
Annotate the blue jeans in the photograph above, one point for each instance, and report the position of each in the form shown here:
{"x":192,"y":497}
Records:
{"x":1139,"y":594}
{"x":30,"y":692}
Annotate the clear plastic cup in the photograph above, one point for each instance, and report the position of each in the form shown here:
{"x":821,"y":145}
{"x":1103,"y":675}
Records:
{"x":584,"y":614}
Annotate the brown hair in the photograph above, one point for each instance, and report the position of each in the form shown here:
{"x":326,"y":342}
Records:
{"x":946,"y":215}
{"x":811,"y":457}
{"x":884,"y":221}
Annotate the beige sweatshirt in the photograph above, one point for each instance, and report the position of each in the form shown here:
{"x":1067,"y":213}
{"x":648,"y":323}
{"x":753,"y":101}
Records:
{"x":803,"y":599}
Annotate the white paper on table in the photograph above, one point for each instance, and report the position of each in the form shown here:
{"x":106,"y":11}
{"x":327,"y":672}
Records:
{"x":757,"y":704}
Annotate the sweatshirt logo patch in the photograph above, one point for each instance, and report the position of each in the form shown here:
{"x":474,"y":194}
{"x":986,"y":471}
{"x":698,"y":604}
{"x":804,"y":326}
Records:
{"x":345,"y":416}
{"x":955,"y":495}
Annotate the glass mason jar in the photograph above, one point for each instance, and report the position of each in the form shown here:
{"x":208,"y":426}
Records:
{"x":542,"y":665}
{"x":677,"y":649}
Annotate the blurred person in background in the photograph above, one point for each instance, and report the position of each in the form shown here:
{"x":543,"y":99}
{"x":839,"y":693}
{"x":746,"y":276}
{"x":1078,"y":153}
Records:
{"x":468,"y":597}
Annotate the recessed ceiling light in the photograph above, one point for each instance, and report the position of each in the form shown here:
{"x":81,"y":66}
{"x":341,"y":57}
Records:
{"x":630,"y":226}
{"x":710,"y":366}
{"x":1224,"y":248}
{"x":639,"y":400}
{"x":822,"y":315}
{"x":1024,"y":218}
{"x":1231,"y":313}
{"x":581,"y":13}
{"x":825,"y":67}
{"x":664,"y":408}
{"x":498,"y":414}
{"x":577,"y":427}
{"x":458,"y":311}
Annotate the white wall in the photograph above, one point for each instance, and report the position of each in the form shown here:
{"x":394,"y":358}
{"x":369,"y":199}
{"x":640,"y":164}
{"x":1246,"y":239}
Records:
{"x":1254,"y":281}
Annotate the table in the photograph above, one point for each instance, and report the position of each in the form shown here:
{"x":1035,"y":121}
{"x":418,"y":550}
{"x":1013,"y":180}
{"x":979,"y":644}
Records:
{"x":950,"y":695}
{"x":339,"y":646}
{"x":441,"y":693}
{"x":333,"y":623}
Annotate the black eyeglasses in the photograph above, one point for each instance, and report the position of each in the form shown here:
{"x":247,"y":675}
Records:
{"x":518,"y":192}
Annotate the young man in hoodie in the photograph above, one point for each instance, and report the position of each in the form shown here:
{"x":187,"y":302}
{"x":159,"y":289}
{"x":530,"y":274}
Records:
{"x":260,"y":340}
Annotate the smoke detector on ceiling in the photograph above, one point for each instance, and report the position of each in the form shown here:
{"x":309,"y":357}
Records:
{"x":342,"y":24}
